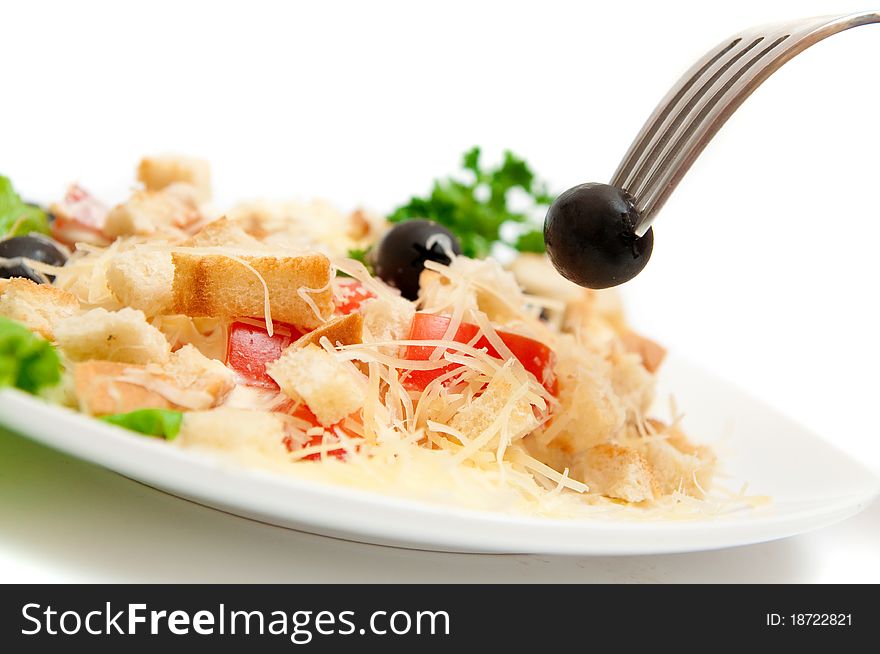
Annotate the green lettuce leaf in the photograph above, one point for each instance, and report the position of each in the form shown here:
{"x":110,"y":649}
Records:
{"x":16,"y":217}
{"x":152,"y":422}
{"x":27,"y":361}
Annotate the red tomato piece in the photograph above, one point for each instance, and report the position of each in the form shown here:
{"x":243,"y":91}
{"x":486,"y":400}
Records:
{"x":338,"y":453}
{"x":351,"y":295}
{"x":535,"y":357}
{"x":303,"y":412}
{"x":249,"y":348}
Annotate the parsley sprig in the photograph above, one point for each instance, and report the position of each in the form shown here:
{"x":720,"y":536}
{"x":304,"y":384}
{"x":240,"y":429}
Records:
{"x":477,"y":209}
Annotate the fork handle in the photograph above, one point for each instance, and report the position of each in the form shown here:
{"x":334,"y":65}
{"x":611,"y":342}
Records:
{"x":655,"y":184}
{"x":599,"y":235}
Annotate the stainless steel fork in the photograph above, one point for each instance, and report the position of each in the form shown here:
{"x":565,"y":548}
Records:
{"x":705,"y":97}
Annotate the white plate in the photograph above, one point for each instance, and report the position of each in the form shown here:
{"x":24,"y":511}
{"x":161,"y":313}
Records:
{"x":812,"y":484}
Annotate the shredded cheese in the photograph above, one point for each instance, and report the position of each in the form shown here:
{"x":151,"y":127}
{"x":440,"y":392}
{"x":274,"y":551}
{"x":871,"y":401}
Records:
{"x":414,"y":443}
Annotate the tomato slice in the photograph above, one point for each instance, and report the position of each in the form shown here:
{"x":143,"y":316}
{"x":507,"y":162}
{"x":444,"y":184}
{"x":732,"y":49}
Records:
{"x":535,"y":357}
{"x":351,"y":294}
{"x":338,"y":453}
{"x":249,"y":348}
{"x":304,"y":413}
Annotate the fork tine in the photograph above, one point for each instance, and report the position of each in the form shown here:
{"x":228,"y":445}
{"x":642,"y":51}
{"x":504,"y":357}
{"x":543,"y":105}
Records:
{"x":623,"y":176}
{"x":705,"y":97}
{"x":674,"y":157}
{"x":669,"y":127}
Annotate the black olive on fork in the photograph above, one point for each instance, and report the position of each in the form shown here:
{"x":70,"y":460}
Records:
{"x":590,"y":236}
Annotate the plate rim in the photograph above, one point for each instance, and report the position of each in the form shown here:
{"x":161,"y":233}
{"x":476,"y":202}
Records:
{"x":716,"y":528}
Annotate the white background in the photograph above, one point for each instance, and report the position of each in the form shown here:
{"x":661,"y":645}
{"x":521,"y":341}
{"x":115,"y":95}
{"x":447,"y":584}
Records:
{"x":765,"y":261}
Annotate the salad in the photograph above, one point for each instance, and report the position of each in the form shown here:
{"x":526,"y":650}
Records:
{"x":432,"y":353}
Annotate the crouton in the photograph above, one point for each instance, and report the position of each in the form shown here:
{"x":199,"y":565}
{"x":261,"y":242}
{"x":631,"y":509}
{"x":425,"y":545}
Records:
{"x":156,"y":173}
{"x":346,"y":330}
{"x":677,"y":464}
{"x":188,"y":380}
{"x":190,"y":370}
{"x":596,"y":315}
{"x":330,"y":388}
{"x":650,"y":352}
{"x":148,"y":212}
{"x":222,"y":232}
{"x":387,"y":318}
{"x":632,"y":383}
{"x":435,"y":290}
{"x":498,"y":295}
{"x":123,"y":336}
{"x":616,"y":471}
{"x":37,"y":306}
{"x":243,"y":432}
{"x":295,"y":225}
{"x":590,"y":410}
{"x":674,"y":470}
{"x":220,"y":286}
{"x":475,"y":418}
{"x":142,"y":279}
{"x":677,"y":438}
{"x":537,"y":276}
{"x":363,"y":224}
{"x":101,"y":391}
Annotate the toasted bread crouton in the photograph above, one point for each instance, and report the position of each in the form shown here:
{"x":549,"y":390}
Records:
{"x":331,"y":389}
{"x":678,"y":440}
{"x":632,"y":383}
{"x":677,"y":464}
{"x":596,"y":315}
{"x":37,"y":306}
{"x":124,"y":336}
{"x":474,"y":419}
{"x":365,"y":225}
{"x":616,"y":471}
{"x":220,"y":286}
{"x":240,"y":431}
{"x":142,"y":279}
{"x":156,"y":173}
{"x":497,"y":295}
{"x":101,"y":391}
{"x":222,"y":232}
{"x":387,"y":318}
{"x":674,"y":470}
{"x":590,"y":410}
{"x":191,"y":371}
{"x":147,"y":212}
{"x":297,"y":225}
{"x":537,"y":276}
{"x":435,"y":290}
{"x":650,"y":352}
{"x":188,"y":380}
{"x":345,"y":330}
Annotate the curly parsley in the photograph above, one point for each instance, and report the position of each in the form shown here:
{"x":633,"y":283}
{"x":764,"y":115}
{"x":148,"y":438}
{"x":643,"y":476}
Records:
{"x":477,"y":209}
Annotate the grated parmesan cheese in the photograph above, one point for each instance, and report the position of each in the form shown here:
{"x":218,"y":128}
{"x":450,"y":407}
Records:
{"x":467,"y":438}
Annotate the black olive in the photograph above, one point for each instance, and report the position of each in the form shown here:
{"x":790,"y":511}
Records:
{"x":38,"y":248}
{"x":21,"y":270}
{"x":590,"y":236}
{"x":399,"y":257}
